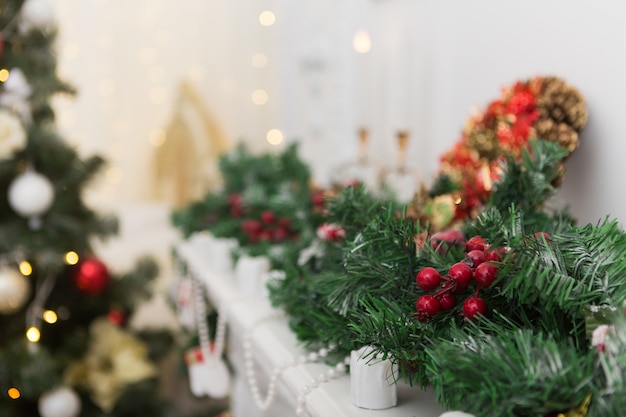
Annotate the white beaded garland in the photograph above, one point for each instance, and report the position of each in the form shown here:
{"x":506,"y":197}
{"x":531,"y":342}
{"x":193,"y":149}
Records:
{"x":262,"y":402}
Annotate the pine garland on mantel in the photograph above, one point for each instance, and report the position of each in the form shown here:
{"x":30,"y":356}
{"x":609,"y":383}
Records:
{"x":480,"y":288}
{"x":266,"y":203}
{"x":530,"y":353}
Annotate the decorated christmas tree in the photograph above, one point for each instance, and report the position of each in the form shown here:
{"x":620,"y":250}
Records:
{"x":65,"y":349}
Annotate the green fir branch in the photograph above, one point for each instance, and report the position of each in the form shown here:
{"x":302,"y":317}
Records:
{"x":528,"y":183}
{"x":509,"y":373}
{"x":609,"y":399}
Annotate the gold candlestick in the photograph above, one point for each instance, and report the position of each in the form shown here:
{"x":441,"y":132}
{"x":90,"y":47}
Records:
{"x":363,"y":139}
{"x":403,"y":143}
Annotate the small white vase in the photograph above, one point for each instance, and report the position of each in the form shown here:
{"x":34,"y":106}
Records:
{"x":220,"y":255}
{"x":250,"y":272}
{"x":372,"y":380}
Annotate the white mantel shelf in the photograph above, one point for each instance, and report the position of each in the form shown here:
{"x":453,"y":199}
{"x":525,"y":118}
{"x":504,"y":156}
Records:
{"x":274,"y":344}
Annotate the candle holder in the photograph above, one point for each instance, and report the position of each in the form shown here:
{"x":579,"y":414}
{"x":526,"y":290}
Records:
{"x":399,"y":179}
{"x":361,"y":170}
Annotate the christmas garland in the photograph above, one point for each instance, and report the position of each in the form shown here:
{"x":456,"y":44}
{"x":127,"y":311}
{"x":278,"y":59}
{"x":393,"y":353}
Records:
{"x":539,"y":108}
{"x":525,"y":318}
{"x":266,"y":203}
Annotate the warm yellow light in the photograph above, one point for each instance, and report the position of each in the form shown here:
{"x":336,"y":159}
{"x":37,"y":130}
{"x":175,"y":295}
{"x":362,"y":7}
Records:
{"x":50,"y":316}
{"x":259,"y":60}
{"x":4,"y":75}
{"x":274,"y":137}
{"x":26,"y":268}
{"x":267,"y":18}
{"x":259,"y":97}
{"x":157,"y":137}
{"x":361,"y":42}
{"x":71,"y":258}
{"x":14,"y":393}
{"x":33,"y":335}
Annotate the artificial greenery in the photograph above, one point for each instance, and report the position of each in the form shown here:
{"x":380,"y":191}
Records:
{"x":266,"y":203}
{"x":301,"y":292}
{"x":530,"y":354}
{"x":535,"y":324}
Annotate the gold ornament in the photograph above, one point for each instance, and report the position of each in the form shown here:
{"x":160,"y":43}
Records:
{"x":14,"y":290}
{"x":12,"y":134}
{"x":115,"y":358}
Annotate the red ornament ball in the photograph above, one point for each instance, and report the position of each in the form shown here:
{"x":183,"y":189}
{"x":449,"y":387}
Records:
{"x":91,"y":276}
{"x":485,"y":274}
{"x":473,"y":306}
{"x":427,"y":306}
{"x":461,"y":274}
{"x":428,"y":278}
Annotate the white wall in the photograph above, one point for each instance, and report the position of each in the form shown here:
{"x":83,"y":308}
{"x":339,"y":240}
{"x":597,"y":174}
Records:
{"x":126,"y":59}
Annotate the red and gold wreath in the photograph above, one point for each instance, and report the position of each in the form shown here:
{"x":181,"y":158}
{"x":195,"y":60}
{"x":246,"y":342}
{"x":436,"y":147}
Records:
{"x":541,"y":108}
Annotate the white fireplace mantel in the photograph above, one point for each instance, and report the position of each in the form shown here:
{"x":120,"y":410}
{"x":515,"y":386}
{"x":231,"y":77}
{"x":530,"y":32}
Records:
{"x":273,"y":344}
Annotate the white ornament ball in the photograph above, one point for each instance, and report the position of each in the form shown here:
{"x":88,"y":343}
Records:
{"x":36,"y":14}
{"x":60,"y":402}
{"x":14,"y":290}
{"x":31,"y":194}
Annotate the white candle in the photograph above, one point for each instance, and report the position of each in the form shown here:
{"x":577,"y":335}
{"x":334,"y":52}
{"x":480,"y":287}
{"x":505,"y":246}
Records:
{"x":362,"y":44}
{"x":401,"y":83}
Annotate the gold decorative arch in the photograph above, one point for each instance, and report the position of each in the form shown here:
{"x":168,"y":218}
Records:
{"x":185,"y":166}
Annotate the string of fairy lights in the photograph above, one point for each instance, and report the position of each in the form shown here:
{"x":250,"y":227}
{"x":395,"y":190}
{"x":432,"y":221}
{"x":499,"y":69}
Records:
{"x":33,"y":332}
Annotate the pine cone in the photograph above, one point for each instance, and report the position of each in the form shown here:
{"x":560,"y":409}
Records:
{"x":561,"y":103}
{"x":561,"y":133}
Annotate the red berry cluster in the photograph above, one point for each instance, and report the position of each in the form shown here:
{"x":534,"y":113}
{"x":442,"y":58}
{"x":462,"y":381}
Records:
{"x":318,"y":200}
{"x":478,"y":265}
{"x":235,"y":202}
{"x":268,"y":228}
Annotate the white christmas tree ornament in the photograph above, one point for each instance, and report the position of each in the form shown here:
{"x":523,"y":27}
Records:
{"x":60,"y":402}
{"x":31,"y":195}
{"x":36,"y":14}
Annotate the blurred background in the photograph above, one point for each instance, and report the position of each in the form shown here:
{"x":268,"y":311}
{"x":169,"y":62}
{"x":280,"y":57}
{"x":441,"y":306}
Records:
{"x":269,"y":72}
